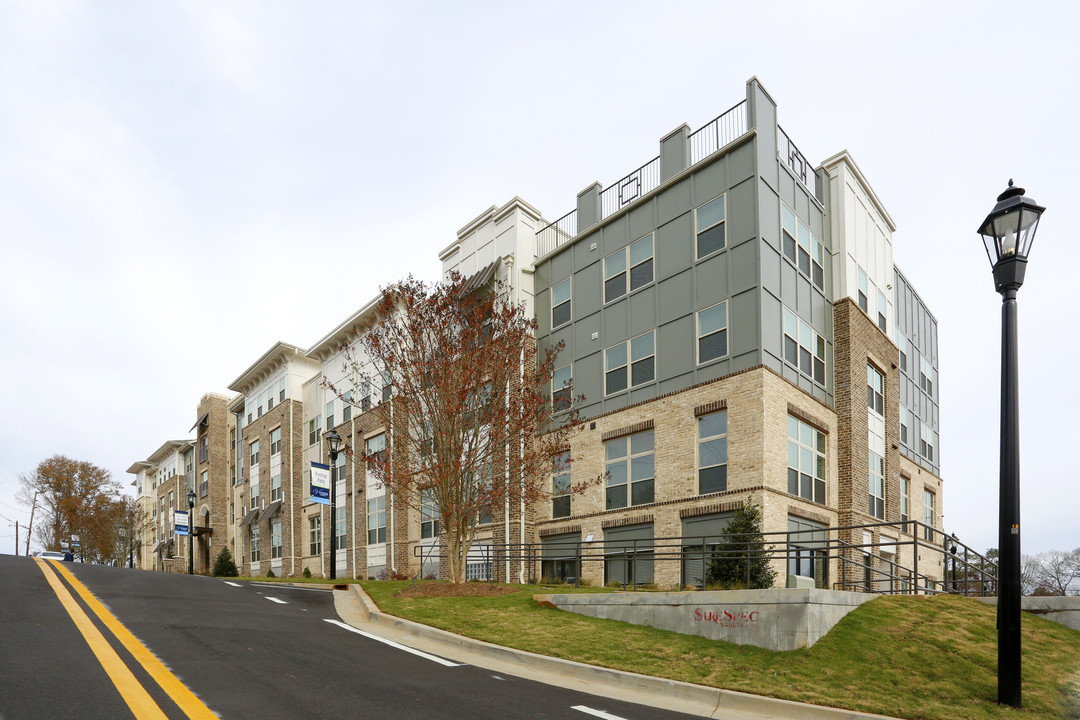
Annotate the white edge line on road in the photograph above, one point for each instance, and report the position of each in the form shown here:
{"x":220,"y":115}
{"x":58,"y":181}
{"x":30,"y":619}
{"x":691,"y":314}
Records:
{"x":233,"y":584}
{"x":274,"y":599}
{"x":597,"y":713}
{"x":393,"y":644}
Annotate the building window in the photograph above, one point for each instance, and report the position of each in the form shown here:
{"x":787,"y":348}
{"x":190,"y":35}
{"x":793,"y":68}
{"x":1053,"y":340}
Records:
{"x":629,"y":470}
{"x":269,"y":400}
{"x":709,"y":221}
{"x":926,"y":376}
{"x":365,"y":399}
{"x":638,"y":256}
{"x":387,"y":387}
{"x":876,"y":478}
{"x":928,"y":515}
{"x":562,"y":388}
{"x":560,"y":304}
{"x":926,"y":442}
{"x":904,"y":350}
{"x":330,"y":415}
{"x":802,"y":248}
{"x":275,"y":538}
{"x":314,"y":429}
{"x":346,"y":407}
{"x":806,"y":461}
{"x":255,"y":493}
{"x":712,"y":333}
{"x":262,"y":400}
{"x":204,"y":483}
{"x":905,"y":498}
{"x":315,"y":535}
{"x":204,"y":449}
{"x":254,"y":447}
{"x":560,"y":486}
{"x":639,"y":355}
{"x":375,"y":449}
{"x":864,"y":298}
{"x":712,"y":452}
{"x":904,"y":424}
{"x":376,"y":520}
{"x":429,"y":515}
{"x":254,"y":542}
{"x":881,"y":322}
{"x":275,"y":441}
{"x":804,"y":349}
{"x":281,"y":390}
{"x":275,"y":487}
{"x":874,"y":386}
{"x":341,"y":527}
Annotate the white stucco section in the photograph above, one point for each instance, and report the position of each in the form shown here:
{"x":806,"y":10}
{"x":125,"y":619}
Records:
{"x":861,"y":239}
{"x":507,"y":233}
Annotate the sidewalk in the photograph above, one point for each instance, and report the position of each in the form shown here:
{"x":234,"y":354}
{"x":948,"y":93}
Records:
{"x":355,"y":608}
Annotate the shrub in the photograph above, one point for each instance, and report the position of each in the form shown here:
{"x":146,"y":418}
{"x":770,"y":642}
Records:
{"x":742,"y":559}
{"x":224,"y":565}
{"x":307,"y":572}
{"x":270,"y":573}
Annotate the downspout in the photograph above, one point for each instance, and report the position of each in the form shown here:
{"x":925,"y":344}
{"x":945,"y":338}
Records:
{"x":292,"y":476}
{"x":390,"y":444}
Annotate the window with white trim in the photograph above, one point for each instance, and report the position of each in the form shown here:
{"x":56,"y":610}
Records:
{"x":560,"y":304}
{"x":801,"y":247}
{"x":804,"y":348}
{"x":281,"y":390}
{"x":429,"y":515}
{"x":275,"y":487}
{"x":630,"y":470}
{"x":928,"y":515}
{"x":712,"y":324}
{"x":710,"y":227}
{"x":876,"y":481}
{"x":315,"y":535}
{"x":275,"y":538}
{"x":562,"y":388}
{"x":926,"y":442}
{"x":314,"y":429}
{"x":638,"y":257}
{"x":881,"y":321}
{"x":905,"y":423}
{"x":712,"y":453}
{"x":254,"y":542}
{"x":341,"y":527}
{"x":330,"y":415}
{"x":275,"y":441}
{"x":560,"y":486}
{"x":254,"y":448}
{"x":376,"y":520}
{"x":905,"y":498}
{"x":806,"y":460}
{"x":346,"y":407}
{"x":875,"y":384}
{"x":630,"y":363}
{"x":864,"y":290}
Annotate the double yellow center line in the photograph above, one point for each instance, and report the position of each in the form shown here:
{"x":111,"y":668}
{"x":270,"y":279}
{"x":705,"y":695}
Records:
{"x":134,"y":694}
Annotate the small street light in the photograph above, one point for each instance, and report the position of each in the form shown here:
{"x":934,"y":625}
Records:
{"x":952,"y":551}
{"x":333,"y":444}
{"x":1007,"y":234}
{"x":191,"y":532}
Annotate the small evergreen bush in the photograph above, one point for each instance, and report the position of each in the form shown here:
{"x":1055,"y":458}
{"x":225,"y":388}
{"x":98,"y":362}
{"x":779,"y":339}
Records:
{"x":224,"y":565}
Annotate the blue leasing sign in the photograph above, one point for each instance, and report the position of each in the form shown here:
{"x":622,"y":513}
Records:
{"x":320,"y":483}
{"x":180,"y":522}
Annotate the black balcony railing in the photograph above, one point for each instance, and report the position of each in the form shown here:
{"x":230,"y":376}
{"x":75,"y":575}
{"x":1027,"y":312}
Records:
{"x":718,"y":133}
{"x":795,"y":160}
{"x":630,"y":188}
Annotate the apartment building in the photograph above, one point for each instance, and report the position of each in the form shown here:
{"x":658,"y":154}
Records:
{"x":730,"y":315}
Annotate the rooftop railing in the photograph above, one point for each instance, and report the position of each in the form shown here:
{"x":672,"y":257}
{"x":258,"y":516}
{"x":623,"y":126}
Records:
{"x":703,"y":142}
{"x":795,"y":159}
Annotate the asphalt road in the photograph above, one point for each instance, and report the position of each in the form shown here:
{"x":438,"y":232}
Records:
{"x":245,"y":650}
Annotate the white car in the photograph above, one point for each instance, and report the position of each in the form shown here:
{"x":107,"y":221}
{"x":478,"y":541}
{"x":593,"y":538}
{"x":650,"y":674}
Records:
{"x":51,"y":555}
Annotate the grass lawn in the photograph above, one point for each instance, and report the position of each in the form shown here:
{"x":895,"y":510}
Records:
{"x":910,"y":657}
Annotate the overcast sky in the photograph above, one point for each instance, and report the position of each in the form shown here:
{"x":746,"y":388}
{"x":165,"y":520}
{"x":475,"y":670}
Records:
{"x":184,"y":184}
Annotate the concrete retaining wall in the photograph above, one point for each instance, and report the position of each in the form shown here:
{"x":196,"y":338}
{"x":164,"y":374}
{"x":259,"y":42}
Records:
{"x":774,"y":619}
{"x":1062,"y":610}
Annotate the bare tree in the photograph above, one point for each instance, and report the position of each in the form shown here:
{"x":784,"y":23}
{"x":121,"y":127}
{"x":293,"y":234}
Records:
{"x":1054,"y":571}
{"x":467,"y":407}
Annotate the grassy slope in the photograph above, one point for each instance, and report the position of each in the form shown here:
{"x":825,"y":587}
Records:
{"x":910,"y":657}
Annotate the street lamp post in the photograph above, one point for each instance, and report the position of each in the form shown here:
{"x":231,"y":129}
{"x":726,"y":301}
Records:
{"x":333,"y":443}
{"x":1007,"y":234}
{"x":952,"y":551}
{"x":191,"y":532}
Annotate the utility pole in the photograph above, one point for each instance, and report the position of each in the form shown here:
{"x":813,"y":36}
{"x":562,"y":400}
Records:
{"x":30,"y":528}
{"x":16,"y":538}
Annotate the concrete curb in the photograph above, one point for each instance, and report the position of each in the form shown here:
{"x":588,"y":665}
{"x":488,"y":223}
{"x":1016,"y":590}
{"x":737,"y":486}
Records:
{"x":356,"y":609}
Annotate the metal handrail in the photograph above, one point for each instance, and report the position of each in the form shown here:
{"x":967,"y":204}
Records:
{"x":795,"y":160}
{"x":630,"y":188}
{"x":718,"y":133}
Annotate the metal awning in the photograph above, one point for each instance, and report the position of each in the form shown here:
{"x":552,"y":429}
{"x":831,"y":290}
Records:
{"x":481,"y":277}
{"x":250,"y":517}
{"x":271,"y":509}
{"x":157,"y":548}
{"x":199,"y":530}
{"x":201,"y":421}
